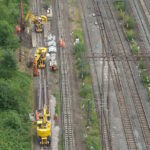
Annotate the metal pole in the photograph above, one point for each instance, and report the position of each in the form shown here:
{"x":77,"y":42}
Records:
{"x":88,"y":114}
{"x":126,"y":6}
{"x":82,"y":69}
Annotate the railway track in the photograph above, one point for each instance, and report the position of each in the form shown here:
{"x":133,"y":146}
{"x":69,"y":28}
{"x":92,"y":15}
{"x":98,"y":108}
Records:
{"x":116,"y":80}
{"x":43,"y":94}
{"x":146,"y":5}
{"x":131,"y":81}
{"x":141,"y":12}
{"x":66,"y":96}
{"x":142,"y":22}
{"x":99,"y":96}
{"x":126,"y":120}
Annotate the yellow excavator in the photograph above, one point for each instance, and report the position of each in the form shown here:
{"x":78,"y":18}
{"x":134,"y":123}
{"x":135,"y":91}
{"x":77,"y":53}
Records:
{"x":39,"y":59}
{"x":43,"y":126}
{"x":38,"y":21}
{"x":40,"y":56}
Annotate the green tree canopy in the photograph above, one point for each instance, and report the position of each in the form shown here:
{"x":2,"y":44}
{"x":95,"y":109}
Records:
{"x":5,"y":32}
{"x":7,"y":98}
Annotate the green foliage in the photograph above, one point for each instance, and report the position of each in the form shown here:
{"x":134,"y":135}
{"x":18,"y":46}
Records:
{"x":6,"y":99}
{"x":85,"y":91}
{"x":129,"y":22}
{"x":8,"y":65}
{"x":4,"y":12}
{"x":121,"y":15}
{"x":135,"y":48}
{"x":79,"y":49}
{"x":86,"y":94}
{"x":145,"y":78}
{"x":12,"y":120}
{"x":130,"y":35}
{"x":8,"y":61}
{"x":78,"y":34}
{"x":5,"y":32}
{"x":14,"y":107}
{"x":14,"y":131}
{"x":92,"y":141}
{"x":7,"y":39}
{"x":141,"y":64}
{"x":14,"y":86}
{"x":119,"y":5}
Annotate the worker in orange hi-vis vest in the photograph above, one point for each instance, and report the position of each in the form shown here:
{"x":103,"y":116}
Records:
{"x":63,"y":44}
{"x":56,"y":119}
{"x":38,"y":72}
{"x":36,"y":115}
{"x":60,"y":42}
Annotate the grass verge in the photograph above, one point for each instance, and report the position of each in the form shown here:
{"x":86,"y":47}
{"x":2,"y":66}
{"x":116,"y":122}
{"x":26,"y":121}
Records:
{"x":91,"y":134}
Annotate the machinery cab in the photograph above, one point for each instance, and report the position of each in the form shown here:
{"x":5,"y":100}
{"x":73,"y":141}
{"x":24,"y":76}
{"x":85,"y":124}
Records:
{"x":39,"y":22}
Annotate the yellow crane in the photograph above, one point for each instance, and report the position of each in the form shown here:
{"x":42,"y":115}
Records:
{"x":38,"y":21}
{"x":43,"y":126}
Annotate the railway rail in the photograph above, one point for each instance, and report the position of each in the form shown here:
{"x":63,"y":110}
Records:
{"x":142,"y":18}
{"x":131,"y":82}
{"x":126,"y":120}
{"x":99,"y":97}
{"x":66,"y":96}
{"x":120,"y":97}
{"x":43,"y":95}
{"x":136,"y":97}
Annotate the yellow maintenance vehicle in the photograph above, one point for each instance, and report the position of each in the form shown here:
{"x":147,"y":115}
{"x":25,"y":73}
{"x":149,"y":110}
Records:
{"x":39,"y":59}
{"x":43,"y":126}
{"x":38,"y":21}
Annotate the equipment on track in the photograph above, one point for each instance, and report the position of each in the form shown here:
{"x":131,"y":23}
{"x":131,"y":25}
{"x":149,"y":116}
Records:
{"x":43,"y":126}
{"x":39,"y":60}
{"x":52,"y":50}
{"x":38,"y":21}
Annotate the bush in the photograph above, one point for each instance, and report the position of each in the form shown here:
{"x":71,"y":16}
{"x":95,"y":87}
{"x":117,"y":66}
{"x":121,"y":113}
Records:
{"x":129,"y":22}
{"x":135,"y":48}
{"x":78,"y":34}
{"x":121,"y":15}
{"x":130,"y":35}
{"x":8,"y":65}
{"x":85,"y":91}
{"x":141,"y":64}
{"x":93,"y":142}
{"x":7,"y":99}
{"x":120,"y":5}
{"x":13,"y":120}
{"x":144,"y":78}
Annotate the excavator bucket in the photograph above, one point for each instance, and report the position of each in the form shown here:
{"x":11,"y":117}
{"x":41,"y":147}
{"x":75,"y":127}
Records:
{"x":44,"y":18}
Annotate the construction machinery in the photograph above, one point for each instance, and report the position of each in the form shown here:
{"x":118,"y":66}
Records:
{"x":39,"y":59}
{"x":38,"y":21}
{"x":43,"y":126}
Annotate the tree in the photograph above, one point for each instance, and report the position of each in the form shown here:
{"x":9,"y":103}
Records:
{"x":5,"y":32}
{"x":8,"y":61}
{"x":7,"y":98}
{"x":8,"y":65}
